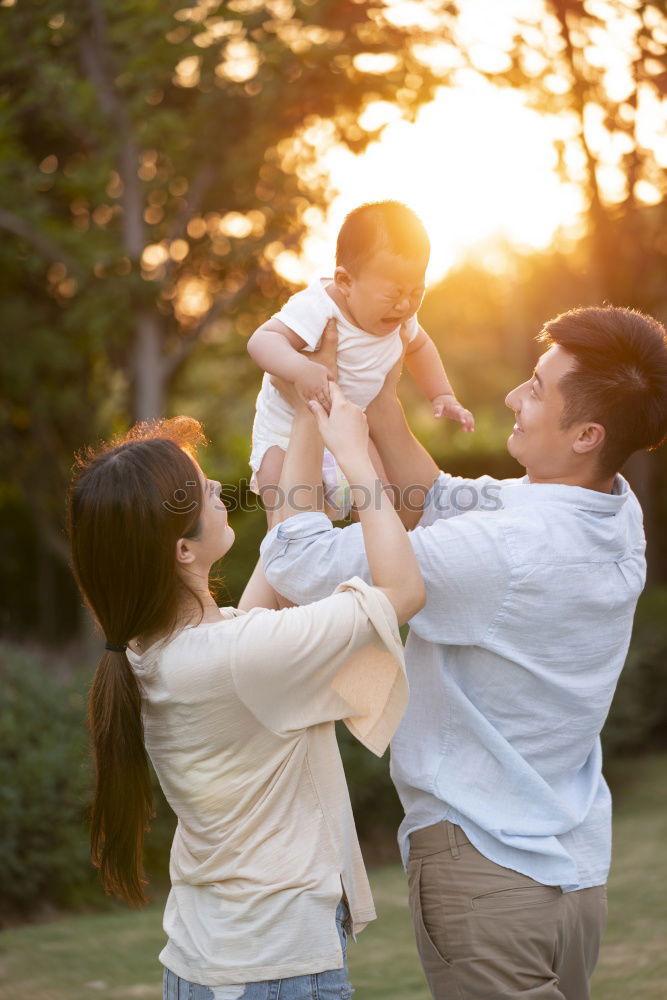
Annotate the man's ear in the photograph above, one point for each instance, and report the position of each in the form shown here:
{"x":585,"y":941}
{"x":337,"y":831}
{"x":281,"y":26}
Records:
{"x":184,"y":553}
{"x":589,"y":438}
{"x":343,"y":280}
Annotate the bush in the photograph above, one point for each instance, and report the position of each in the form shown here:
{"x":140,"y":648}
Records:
{"x":43,"y":786}
{"x":45,"y":792}
{"x":638,"y":718}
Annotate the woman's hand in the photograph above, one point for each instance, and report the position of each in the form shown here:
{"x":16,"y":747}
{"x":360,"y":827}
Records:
{"x":344,"y":430}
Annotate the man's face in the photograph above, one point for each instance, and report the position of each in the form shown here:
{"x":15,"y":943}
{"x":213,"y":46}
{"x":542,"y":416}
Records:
{"x":386,"y":291}
{"x":537,"y":440}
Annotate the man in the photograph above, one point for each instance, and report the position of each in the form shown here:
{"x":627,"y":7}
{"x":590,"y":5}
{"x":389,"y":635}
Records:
{"x":531,"y":589}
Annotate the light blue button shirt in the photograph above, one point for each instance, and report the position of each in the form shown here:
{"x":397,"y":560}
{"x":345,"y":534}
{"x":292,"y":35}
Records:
{"x":531,"y":591}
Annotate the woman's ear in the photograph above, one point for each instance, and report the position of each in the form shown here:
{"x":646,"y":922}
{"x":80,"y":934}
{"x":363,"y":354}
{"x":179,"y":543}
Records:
{"x":343,"y":280}
{"x":184,"y":553}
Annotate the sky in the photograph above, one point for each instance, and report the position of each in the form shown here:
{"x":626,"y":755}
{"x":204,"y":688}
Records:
{"x":478,"y":165}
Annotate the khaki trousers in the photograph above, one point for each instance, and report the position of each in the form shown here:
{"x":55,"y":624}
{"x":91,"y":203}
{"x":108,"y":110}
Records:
{"x":488,"y":933}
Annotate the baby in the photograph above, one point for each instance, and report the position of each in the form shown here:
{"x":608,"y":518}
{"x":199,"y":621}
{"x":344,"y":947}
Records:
{"x":378,"y":284}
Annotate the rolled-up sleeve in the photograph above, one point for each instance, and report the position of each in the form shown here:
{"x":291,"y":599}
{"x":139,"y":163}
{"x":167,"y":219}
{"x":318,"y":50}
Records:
{"x":451,"y":496}
{"x":305,"y":558}
{"x":464,"y":561}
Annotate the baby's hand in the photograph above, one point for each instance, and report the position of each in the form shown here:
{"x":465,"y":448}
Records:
{"x":313,"y":383}
{"x":448,"y":405}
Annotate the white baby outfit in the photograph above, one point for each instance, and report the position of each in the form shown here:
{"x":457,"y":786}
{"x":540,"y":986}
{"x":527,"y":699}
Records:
{"x":363,"y":364}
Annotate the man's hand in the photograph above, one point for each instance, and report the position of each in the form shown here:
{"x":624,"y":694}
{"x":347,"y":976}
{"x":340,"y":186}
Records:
{"x":448,"y":405}
{"x":326,"y":353}
{"x":314,"y":384}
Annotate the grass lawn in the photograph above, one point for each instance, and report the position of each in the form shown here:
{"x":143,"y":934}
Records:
{"x":113,"y":954}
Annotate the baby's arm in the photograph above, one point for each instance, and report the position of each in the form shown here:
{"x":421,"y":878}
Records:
{"x":425,"y":365}
{"x":276,"y":349}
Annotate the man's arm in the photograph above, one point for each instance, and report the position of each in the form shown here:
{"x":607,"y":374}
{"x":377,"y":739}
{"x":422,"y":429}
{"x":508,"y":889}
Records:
{"x":463,"y":560}
{"x":409,"y":467}
{"x":306,"y":558}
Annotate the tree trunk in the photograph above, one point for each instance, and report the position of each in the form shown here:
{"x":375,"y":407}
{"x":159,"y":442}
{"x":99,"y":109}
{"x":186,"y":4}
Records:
{"x":149,"y":375}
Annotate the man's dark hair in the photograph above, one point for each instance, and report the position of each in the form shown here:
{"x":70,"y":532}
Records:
{"x":377,"y":226}
{"x":620,"y":379}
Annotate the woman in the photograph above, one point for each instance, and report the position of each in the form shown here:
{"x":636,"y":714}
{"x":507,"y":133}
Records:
{"x":236,"y":709}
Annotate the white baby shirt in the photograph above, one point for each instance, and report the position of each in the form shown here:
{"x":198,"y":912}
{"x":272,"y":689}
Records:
{"x":363,"y":364}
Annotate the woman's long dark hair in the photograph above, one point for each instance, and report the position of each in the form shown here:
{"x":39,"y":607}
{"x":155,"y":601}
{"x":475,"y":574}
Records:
{"x":129,"y":502}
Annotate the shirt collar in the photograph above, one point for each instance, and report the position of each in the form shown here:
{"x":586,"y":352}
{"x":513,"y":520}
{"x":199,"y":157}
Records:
{"x":525,"y":492}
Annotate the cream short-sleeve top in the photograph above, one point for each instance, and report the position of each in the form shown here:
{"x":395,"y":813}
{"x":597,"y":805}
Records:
{"x":239,"y":724}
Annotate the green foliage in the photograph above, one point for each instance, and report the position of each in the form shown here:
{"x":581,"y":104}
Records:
{"x":43,"y":786}
{"x":376,"y":806}
{"x":154,"y":159}
{"x":638,"y":717}
{"x":45,"y":791}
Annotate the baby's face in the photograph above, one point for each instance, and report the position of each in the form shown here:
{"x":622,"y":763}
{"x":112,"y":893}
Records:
{"x":384,"y":292}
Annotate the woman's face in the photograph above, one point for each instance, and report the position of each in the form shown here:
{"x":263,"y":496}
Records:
{"x":216,"y":536}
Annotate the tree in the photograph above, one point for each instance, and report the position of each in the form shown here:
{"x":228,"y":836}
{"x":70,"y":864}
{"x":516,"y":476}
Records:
{"x":155,"y":161}
{"x":600,"y":66}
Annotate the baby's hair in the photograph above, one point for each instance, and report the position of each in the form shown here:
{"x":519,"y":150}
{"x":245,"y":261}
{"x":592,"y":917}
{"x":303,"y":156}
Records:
{"x":377,"y":226}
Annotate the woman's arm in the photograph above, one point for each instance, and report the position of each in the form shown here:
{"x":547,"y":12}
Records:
{"x":300,"y":487}
{"x":257,"y":593}
{"x":391,"y":560}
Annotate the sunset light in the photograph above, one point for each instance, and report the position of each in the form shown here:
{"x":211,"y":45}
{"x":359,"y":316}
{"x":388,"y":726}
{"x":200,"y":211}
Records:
{"x":191,"y":421}
{"x":478,"y":166}
{"x":483,"y":168}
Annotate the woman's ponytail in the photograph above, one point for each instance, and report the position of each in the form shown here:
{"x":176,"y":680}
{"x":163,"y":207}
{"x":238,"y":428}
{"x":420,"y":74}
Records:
{"x":123,"y":803}
{"x":129,"y":503}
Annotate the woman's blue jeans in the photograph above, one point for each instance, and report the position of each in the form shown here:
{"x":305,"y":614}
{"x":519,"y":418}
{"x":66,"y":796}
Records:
{"x":331,"y":985}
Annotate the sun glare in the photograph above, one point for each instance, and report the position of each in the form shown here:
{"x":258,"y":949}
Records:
{"x":477,"y":166}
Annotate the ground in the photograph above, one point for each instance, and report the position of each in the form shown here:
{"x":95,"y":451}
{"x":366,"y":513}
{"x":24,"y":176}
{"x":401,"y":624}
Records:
{"x":112,"y":955}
